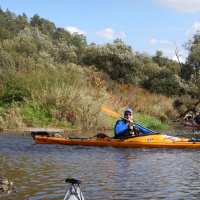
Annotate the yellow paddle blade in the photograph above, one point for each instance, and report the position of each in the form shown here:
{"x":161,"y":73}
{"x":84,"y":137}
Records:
{"x":110,"y":112}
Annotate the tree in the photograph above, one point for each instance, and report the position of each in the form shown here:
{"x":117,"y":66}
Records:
{"x":116,"y":59}
{"x":164,"y":82}
{"x":45,"y":26}
{"x":22,"y":22}
{"x":193,"y":60}
{"x":190,"y":72}
{"x":162,"y":61}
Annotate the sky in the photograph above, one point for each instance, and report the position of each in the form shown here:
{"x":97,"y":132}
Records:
{"x":145,"y":25}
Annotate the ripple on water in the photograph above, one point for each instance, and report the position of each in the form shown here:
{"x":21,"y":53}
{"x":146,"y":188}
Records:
{"x":39,"y":171}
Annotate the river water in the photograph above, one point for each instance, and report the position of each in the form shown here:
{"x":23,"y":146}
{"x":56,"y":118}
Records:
{"x":39,"y":171}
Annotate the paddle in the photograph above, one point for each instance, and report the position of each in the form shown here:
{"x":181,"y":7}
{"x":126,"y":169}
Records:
{"x":110,"y":112}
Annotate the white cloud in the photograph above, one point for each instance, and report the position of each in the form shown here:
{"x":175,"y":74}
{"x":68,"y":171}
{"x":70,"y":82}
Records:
{"x":165,"y":42}
{"x":73,"y":29}
{"x":154,"y":41}
{"x":109,"y":34}
{"x":188,"y":6}
{"x":191,"y":31}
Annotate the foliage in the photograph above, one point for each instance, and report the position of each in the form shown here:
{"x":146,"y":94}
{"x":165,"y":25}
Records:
{"x":157,"y":74}
{"x":144,"y":102}
{"x":164,"y":82}
{"x":150,"y":122}
{"x":49,"y":77}
{"x":115,"y":59}
{"x":191,"y":70}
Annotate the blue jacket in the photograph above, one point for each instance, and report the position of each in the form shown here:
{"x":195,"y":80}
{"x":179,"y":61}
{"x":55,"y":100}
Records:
{"x":121,"y":127}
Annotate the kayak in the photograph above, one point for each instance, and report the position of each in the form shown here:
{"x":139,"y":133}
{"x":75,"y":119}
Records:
{"x":144,"y":141}
{"x":194,"y":125}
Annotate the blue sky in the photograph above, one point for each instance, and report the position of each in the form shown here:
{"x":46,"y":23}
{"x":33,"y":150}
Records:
{"x":145,"y":25}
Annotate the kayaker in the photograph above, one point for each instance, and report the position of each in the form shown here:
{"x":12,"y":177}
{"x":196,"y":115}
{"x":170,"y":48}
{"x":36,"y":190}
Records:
{"x":197,"y":118}
{"x":126,"y":127}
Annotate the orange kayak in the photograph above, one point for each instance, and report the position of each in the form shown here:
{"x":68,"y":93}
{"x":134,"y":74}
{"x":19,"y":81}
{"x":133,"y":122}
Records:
{"x":147,"y":141}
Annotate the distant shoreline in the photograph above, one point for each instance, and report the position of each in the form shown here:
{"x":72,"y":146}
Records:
{"x":28,"y":130}
{"x":31,"y":129}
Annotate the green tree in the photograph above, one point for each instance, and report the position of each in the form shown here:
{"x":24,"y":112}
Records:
{"x":190,"y":71}
{"x":164,"y":82}
{"x":44,"y":25}
{"x":162,"y":61}
{"x":116,"y":59}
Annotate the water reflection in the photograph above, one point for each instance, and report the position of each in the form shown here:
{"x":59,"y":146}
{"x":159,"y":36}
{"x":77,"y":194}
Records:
{"x":39,"y":171}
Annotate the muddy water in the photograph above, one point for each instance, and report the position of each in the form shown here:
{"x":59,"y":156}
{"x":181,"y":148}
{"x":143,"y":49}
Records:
{"x":39,"y":171}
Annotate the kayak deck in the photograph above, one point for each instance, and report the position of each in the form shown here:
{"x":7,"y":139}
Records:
{"x":147,"y":141}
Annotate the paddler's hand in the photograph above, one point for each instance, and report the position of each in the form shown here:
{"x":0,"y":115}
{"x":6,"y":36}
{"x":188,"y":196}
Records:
{"x":131,"y":125}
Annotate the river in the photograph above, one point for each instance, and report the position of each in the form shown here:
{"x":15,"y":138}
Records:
{"x":39,"y":171}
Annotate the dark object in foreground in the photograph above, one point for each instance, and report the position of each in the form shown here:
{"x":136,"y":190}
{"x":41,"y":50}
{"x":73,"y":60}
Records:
{"x":45,"y":133}
{"x":6,"y":187}
{"x":73,"y":191}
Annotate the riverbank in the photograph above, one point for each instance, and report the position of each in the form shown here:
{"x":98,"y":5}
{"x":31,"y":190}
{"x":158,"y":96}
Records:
{"x":63,"y":132}
{"x":158,"y":127}
{"x":173,"y":128}
{"x":25,"y":130}
{"x":145,"y":121}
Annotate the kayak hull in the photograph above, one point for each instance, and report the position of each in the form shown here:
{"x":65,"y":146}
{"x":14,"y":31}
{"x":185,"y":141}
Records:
{"x":148,"y":141}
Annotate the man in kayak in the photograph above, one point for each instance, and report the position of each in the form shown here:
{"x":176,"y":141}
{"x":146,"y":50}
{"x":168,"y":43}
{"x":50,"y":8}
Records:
{"x":126,"y":127}
{"x":197,"y":118}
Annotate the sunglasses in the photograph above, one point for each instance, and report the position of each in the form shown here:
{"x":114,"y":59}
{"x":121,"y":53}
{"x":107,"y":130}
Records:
{"x":126,"y":114}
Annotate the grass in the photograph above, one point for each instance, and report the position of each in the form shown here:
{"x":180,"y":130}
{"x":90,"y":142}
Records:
{"x":35,"y":115}
{"x":71,"y":96}
{"x":144,"y":102}
{"x":151,"y":123}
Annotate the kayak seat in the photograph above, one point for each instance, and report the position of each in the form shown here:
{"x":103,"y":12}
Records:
{"x":40,"y":133}
{"x":101,"y":135}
